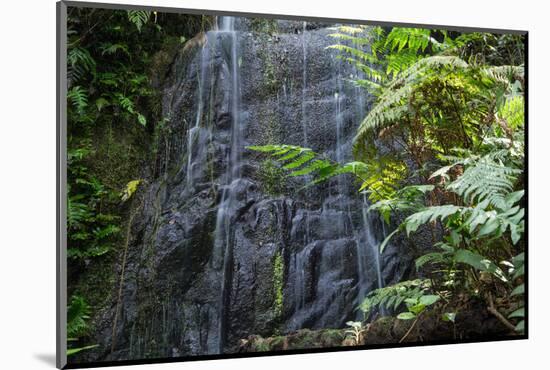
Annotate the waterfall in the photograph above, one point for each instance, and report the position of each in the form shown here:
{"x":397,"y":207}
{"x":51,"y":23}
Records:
{"x":209,"y":257}
{"x":368,"y":249}
{"x":195,"y":136}
{"x":304,"y":83}
{"x":223,"y":248}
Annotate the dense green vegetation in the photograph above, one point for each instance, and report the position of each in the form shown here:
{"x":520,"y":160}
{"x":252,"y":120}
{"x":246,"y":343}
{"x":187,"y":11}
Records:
{"x":442,"y":151}
{"x":113,"y":63}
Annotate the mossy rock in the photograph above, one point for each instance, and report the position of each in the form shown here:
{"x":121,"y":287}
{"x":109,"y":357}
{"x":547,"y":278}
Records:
{"x":301,"y":339}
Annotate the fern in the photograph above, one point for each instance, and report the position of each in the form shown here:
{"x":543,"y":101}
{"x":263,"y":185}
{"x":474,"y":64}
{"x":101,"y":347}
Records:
{"x":300,"y":161}
{"x":77,"y":212}
{"x":505,"y":74}
{"x":111,"y":49}
{"x":393,"y":105}
{"x":446,"y":254}
{"x":391,"y":297}
{"x":380,"y":177}
{"x":487,"y":188}
{"x":406,"y":199}
{"x":513,"y":112}
{"x":90,"y":232}
{"x":78,"y":312}
{"x":79,"y":62}
{"x":138,"y":17}
{"x":430,"y":214}
{"x":79,"y":98}
{"x":125,"y":103}
{"x":414,"y":39}
{"x":517,"y":272}
{"x":355,"y":55}
{"x":485,"y":181}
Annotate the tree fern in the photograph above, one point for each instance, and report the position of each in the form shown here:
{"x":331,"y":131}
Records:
{"x":393,"y":105}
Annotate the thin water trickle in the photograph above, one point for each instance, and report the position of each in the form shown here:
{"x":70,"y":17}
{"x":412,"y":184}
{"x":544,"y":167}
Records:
{"x":223,"y":248}
{"x":304,"y":83}
{"x":196,"y":148}
{"x":368,"y":249}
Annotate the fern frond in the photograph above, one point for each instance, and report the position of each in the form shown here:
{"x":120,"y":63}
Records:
{"x":485,"y":181}
{"x":430,"y":214}
{"x":392,"y":105}
{"x":314,"y":166}
{"x":370,"y":72}
{"x":138,"y":17}
{"x":415,"y":39}
{"x":78,"y":97}
{"x":392,"y":296}
{"x":298,"y":160}
{"x":78,"y":312}
{"x":399,"y":62}
{"x":79,"y":62}
{"x":110,"y":49}
{"x":504,"y":74}
{"x":513,"y":112}
{"x":380,"y":177}
{"x":407,"y":199}
{"x":356,"y":53}
{"x":355,"y":40}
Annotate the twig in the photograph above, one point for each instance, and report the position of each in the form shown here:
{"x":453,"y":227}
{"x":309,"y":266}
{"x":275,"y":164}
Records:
{"x":492,"y":309}
{"x":121,"y":284}
{"x":410,"y":329}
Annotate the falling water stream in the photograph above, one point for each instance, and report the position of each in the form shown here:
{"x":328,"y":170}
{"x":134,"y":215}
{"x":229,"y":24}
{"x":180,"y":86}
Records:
{"x":223,"y":251}
{"x":195,"y":134}
{"x":334,"y":213}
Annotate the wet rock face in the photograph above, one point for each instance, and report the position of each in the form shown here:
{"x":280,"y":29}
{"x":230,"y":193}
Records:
{"x":217,"y":255}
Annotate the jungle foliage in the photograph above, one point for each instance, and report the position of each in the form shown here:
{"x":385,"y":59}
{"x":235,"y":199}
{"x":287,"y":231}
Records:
{"x":449,"y":120}
{"x":113,"y":106}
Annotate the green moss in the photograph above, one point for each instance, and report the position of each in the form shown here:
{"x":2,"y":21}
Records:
{"x":334,"y":334}
{"x":272,"y":177}
{"x":278,"y":271}
{"x":261,"y":345}
{"x":304,"y":339}
{"x":274,"y":69}
{"x":277,"y":343}
{"x":262,"y":25}
{"x":271,"y":83}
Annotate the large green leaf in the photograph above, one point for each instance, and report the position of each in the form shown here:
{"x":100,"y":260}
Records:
{"x":406,"y":316}
{"x":428,"y":300}
{"x":478,"y":262}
